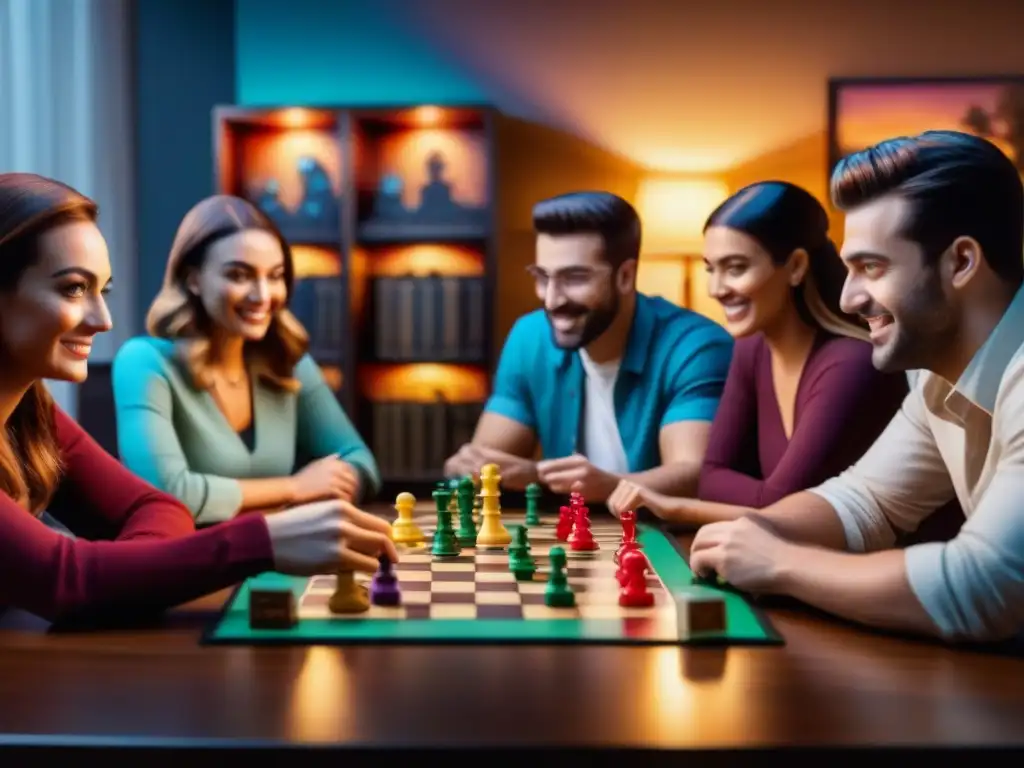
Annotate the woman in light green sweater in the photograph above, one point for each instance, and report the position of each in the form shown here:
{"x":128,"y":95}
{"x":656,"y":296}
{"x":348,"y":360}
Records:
{"x":218,"y":404}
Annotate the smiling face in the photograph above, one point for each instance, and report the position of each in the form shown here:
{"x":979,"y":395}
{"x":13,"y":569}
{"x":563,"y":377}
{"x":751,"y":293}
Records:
{"x":904,"y":301}
{"x":242,"y":283}
{"x":575,"y":283}
{"x":754,"y":291}
{"x":50,"y":318}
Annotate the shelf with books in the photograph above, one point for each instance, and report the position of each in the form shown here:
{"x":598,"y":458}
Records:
{"x":419,"y":415}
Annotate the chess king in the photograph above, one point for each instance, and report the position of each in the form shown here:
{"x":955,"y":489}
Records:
{"x":609,"y":382}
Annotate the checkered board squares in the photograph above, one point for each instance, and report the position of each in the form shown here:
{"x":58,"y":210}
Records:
{"x":478,"y":584}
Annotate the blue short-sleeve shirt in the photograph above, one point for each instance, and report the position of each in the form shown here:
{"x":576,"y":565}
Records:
{"x":673,"y":369}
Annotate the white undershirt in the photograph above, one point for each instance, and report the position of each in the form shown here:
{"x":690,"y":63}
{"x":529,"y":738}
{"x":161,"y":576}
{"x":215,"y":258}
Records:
{"x":602,"y":442}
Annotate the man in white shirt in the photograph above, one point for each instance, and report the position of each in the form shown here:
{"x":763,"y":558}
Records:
{"x":934,"y":249}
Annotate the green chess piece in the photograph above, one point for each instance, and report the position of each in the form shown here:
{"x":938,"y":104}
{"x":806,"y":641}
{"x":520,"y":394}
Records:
{"x":467,"y":526}
{"x":445,"y":543}
{"x":533,"y":494}
{"x":520,"y":561}
{"x":558,"y":593}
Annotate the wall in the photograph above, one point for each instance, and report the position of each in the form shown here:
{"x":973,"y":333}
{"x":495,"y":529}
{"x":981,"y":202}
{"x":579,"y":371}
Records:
{"x":340,"y":52}
{"x":184,"y":66}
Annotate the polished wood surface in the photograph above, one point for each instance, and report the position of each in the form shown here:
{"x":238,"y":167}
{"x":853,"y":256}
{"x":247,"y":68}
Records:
{"x":831,"y":684}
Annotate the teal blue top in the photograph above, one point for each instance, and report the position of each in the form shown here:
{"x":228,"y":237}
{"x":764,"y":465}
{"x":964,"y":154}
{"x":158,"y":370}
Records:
{"x":673,"y":369}
{"x":174,"y":435}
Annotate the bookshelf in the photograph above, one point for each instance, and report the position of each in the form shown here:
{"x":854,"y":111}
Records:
{"x":404,"y":222}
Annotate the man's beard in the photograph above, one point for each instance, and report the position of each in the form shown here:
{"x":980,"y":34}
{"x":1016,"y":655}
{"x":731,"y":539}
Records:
{"x":923,"y":333}
{"x":596,"y":322}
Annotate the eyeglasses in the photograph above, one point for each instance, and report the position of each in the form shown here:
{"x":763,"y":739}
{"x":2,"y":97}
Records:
{"x":569,"y":279}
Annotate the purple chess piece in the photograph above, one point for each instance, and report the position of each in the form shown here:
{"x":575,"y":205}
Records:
{"x":384,"y":587}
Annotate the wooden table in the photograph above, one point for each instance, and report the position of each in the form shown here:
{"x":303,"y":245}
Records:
{"x":831,"y":685}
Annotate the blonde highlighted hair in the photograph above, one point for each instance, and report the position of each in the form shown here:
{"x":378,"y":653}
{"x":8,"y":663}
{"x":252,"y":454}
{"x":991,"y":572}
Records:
{"x":785,"y":218}
{"x":177,"y":314}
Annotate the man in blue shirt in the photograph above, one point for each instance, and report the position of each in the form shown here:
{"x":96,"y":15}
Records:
{"x":608,"y":383}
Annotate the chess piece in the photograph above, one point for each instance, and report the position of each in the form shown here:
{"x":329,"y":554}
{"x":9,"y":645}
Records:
{"x":349,"y":597}
{"x":467,"y":526}
{"x":558,"y":593}
{"x":533,"y":494}
{"x":384,"y":586}
{"x":520,"y":561}
{"x":634,"y":592}
{"x":629,"y":542}
{"x":564,"y":526}
{"x":492,"y":534}
{"x":582,"y":538}
{"x":404,"y":530}
{"x":445,"y":543}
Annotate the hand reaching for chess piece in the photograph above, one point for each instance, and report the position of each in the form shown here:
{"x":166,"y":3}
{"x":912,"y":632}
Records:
{"x":328,"y":536}
{"x":629,"y":495}
{"x":326,"y":478}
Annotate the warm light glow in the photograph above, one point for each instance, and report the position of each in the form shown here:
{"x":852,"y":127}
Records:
{"x":275,"y":156}
{"x":428,"y":116}
{"x":321,"y":700}
{"x":673,"y":211}
{"x":296,"y":117}
{"x":333,"y":376}
{"x":405,"y":153}
{"x":663,"y":277}
{"x":423,"y":382}
{"x":424,"y":259}
{"x":315,"y":261}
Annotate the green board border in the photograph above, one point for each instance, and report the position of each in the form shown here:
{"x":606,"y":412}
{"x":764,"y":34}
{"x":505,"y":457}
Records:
{"x":745,"y":623}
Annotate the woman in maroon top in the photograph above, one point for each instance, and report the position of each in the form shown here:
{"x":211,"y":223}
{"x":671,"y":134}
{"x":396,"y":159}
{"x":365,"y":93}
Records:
{"x":133,"y":547}
{"x":802,"y":400}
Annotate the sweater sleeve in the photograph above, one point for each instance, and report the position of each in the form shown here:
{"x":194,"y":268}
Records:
{"x":846,"y":406}
{"x":155,"y":560}
{"x":732,"y":442}
{"x":147,"y":439}
{"x":323,"y":428}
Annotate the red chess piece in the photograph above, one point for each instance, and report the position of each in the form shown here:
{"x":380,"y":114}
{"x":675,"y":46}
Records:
{"x":564,"y":526}
{"x":582,"y":538}
{"x":634,"y":592}
{"x":629,"y":541}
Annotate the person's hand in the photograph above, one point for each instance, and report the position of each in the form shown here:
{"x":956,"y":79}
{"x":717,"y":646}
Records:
{"x":746,"y":553}
{"x":328,"y":536}
{"x":628,"y":495}
{"x":326,"y":478}
{"x":560,"y":475}
{"x":465,"y":461}
{"x":516,"y":472}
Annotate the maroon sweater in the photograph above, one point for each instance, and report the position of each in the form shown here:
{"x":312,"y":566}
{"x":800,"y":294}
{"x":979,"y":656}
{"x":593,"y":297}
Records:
{"x":842,"y":405}
{"x":152,"y":557}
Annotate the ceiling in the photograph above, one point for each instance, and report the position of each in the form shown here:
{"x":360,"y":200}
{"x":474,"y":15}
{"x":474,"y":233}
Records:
{"x":678,"y":85}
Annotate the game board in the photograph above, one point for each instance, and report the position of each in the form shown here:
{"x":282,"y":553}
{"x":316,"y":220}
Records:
{"x":475,"y":598}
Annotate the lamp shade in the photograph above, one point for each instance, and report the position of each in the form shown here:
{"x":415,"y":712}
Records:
{"x":673,"y":211}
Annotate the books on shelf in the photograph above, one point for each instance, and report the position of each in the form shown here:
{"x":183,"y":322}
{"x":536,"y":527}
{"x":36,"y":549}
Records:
{"x":412,"y":440}
{"x":431,"y":319}
{"x":319,"y":304}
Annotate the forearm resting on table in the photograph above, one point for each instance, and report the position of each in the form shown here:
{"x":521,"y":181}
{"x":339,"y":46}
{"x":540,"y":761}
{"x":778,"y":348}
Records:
{"x":699,"y":512}
{"x":872,"y":589}
{"x":676,"y":478}
{"x":267,"y":493}
{"x":806,"y":518}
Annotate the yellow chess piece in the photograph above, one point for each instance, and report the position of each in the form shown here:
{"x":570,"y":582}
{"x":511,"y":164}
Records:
{"x":404,"y":530}
{"x":492,"y":534}
{"x":349,"y":596}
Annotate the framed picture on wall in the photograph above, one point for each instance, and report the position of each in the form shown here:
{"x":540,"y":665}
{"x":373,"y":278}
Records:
{"x":865,"y":111}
